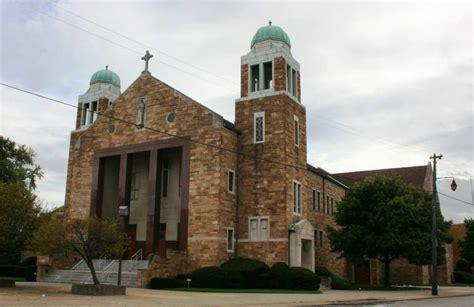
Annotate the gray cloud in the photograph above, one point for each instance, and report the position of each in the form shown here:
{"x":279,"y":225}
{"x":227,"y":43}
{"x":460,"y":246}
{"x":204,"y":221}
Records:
{"x":371,"y":73}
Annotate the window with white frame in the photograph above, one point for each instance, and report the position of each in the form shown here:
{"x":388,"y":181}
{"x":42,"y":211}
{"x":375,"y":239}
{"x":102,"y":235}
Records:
{"x":289,"y":83}
{"x":296,"y":197}
{"x":230,"y":239}
{"x":297,"y":131}
{"x":231,"y":181}
{"x":259,"y":127}
{"x":259,"y":228}
{"x":295,"y":84}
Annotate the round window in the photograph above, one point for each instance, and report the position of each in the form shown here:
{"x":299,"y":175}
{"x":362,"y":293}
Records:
{"x":111,"y":128}
{"x":171,"y":117}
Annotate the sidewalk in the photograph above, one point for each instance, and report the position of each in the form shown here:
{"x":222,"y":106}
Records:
{"x":49,"y":294}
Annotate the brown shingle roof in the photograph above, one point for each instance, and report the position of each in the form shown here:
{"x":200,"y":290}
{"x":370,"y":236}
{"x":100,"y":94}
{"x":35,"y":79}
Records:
{"x":413,"y":174}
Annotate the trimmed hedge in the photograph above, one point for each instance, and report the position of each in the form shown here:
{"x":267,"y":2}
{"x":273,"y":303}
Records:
{"x":208,"y":277}
{"x":339,"y":283}
{"x":298,"y":278}
{"x":463,"y":265}
{"x":276,"y":277}
{"x":167,"y":283}
{"x":12,"y":271}
{"x":252,"y":270}
{"x":234,"y":280}
{"x":322,"y":271}
{"x":463,"y":277}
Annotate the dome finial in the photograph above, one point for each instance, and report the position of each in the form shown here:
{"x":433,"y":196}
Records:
{"x":106,"y":67}
{"x":269,"y":22}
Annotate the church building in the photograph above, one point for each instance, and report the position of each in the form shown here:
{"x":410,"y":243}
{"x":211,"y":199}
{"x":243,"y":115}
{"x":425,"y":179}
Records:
{"x":200,"y":189}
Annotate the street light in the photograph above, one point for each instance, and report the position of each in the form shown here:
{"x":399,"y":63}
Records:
{"x":123,"y":212}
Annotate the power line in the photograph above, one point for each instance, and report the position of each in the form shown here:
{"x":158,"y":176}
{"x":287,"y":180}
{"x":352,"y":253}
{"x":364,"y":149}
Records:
{"x":136,"y":52}
{"x":460,"y":200}
{"x":143,"y":44}
{"x":348,"y":129}
{"x":251,"y":157}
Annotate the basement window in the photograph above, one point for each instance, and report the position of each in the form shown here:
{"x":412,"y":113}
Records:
{"x":254,"y":78}
{"x":267,"y":75}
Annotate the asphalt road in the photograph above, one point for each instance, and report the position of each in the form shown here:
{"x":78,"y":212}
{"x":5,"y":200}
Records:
{"x":448,"y":301}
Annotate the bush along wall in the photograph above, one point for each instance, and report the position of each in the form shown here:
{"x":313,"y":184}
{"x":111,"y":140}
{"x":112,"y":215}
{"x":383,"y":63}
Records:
{"x":242,"y":273}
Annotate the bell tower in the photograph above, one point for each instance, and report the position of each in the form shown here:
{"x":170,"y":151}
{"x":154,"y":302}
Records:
{"x":273,"y":166}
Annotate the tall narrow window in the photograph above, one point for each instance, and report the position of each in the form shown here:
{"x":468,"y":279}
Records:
{"x":267,"y":75}
{"x":264,"y":229}
{"x":296,"y":197}
{"x":230,"y":239}
{"x":313,"y":199}
{"x":332,"y":205}
{"x":259,"y":127}
{"x":165,"y":178}
{"x":253,"y":229}
{"x":321,"y":236}
{"x":254,"y":78}
{"x":134,"y":186}
{"x":318,"y":200}
{"x":295,"y":83}
{"x":230,"y":181}
{"x":289,"y":83}
{"x":86,"y":114}
{"x":327,"y":205}
{"x":297,"y":131}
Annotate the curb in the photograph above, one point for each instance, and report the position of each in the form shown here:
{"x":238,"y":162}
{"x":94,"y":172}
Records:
{"x":387,"y":301}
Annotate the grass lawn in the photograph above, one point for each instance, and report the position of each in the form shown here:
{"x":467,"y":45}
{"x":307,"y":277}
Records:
{"x":282,"y":291}
{"x":12,"y":278}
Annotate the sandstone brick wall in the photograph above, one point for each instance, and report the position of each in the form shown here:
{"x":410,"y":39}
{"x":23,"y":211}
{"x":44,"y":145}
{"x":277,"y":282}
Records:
{"x":266,"y":187}
{"x":458,"y":232}
{"x":320,"y":220}
{"x":208,"y":203}
{"x":244,"y":80}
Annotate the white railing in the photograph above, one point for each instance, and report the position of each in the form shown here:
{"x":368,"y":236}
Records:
{"x":77,"y":264}
{"x":135,"y":258}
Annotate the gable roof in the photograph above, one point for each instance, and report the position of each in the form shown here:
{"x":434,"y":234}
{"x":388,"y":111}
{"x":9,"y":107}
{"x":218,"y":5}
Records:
{"x":326,"y":175}
{"x":413,"y":174}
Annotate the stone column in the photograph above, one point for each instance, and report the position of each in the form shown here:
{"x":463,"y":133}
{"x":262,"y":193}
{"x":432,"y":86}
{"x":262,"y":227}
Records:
{"x":153,"y":212}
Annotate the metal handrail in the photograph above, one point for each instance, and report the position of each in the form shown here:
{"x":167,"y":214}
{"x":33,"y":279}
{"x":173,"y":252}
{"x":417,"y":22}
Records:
{"x":77,"y":264}
{"x":138,"y":254}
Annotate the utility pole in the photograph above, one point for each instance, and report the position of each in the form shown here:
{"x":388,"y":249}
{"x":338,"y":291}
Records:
{"x":434,"y":230}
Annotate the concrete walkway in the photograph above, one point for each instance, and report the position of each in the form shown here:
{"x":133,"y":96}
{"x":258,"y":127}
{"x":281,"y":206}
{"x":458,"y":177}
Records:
{"x":49,"y":294}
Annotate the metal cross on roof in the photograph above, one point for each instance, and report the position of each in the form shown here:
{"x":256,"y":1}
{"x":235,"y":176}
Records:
{"x":147,"y":58}
{"x":269,"y":22}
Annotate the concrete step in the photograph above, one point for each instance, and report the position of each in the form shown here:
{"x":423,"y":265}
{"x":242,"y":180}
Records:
{"x":71,"y":276}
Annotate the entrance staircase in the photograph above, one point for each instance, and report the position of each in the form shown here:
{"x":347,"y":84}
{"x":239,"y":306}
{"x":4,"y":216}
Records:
{"x":106,"y":270}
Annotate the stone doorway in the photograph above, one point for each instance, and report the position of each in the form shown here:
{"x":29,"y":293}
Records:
{"x":302,"y":245}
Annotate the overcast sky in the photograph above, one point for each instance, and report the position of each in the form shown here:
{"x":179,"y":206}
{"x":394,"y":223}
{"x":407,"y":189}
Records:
{"x":385,"y":84}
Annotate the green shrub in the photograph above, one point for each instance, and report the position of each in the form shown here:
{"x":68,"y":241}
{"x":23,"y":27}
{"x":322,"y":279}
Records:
{"x":29,"y":261}
{"x":167,"y":283}
{"x":322,"y":271}
{"x":183,"y":276}
{"x":463,"y":265}
{"x":252,"y":270}
{"x":10,"y":258}
{"x":208,"y":277}
{"x":234,"y":280}
{"x":276,"y":277}
{"x":463,"y":277}
{"x":12,"y":271}
{"x":298,"y":278}
{"x":340,"y":283}
{"x":30,"y":272}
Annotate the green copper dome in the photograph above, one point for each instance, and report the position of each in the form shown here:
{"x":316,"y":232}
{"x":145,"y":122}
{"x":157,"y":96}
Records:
{"x":270,"y":32}
{"x":105,"y":76}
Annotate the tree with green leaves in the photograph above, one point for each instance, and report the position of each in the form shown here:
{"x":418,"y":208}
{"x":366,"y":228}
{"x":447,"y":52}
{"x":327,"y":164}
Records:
{"x":385,"y":218}
{"x":17,"y":164}
{"x":20,"y":212}
{"x":467,"y":245}
{"x":91,"y":238}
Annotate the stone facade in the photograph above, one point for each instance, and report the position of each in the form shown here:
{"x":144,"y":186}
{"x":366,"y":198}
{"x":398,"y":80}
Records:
{"x":238,"y":196}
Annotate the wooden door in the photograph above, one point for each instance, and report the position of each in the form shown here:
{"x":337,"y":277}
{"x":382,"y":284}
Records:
{"x":362,"y":273}
{"x":162,"y":240}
